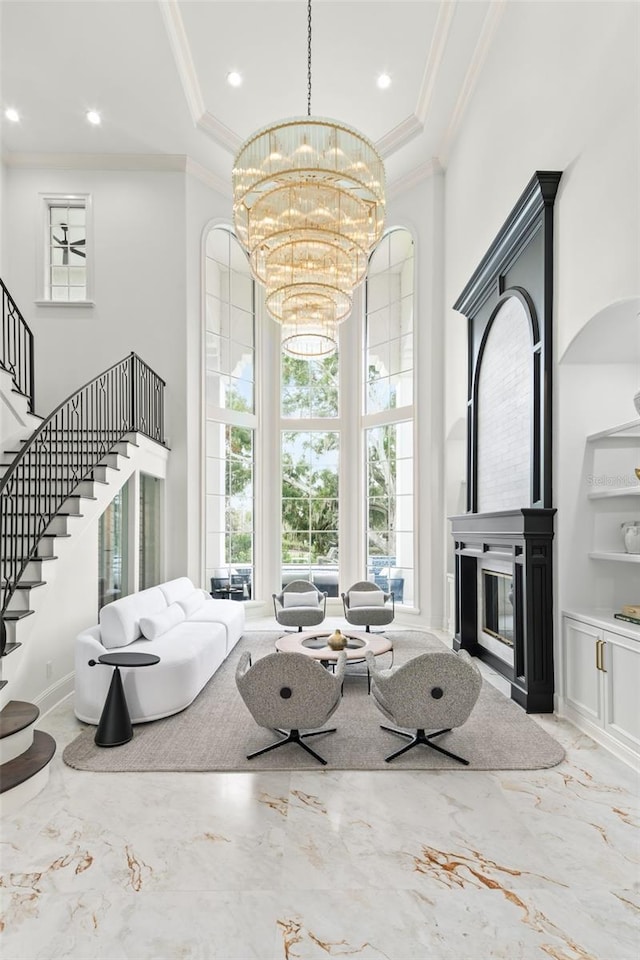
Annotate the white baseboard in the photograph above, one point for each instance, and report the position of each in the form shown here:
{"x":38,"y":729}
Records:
{"x":55,"y":694}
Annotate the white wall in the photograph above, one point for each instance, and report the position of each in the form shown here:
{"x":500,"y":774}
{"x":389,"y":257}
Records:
{"x":139,"y":229}
{"x":559,"y":91}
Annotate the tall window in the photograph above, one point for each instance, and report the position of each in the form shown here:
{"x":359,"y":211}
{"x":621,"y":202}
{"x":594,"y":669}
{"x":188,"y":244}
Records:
{"x":230,"y":415}
{"x":66,"y":257}
{"x":310,"y":454}
{"x":389,"y":415}
{"x":113,"y":552}
{"x":150,"y":525}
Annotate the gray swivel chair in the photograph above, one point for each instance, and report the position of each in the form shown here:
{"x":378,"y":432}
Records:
{"x":366,"y":605}
{"x":289,"y":692}
{"x":300,"y":604}
{"x":434,"y":691}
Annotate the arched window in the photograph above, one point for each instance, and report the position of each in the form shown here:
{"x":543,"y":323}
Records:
{"x":230,"y":416}
{"x":388,"y":415}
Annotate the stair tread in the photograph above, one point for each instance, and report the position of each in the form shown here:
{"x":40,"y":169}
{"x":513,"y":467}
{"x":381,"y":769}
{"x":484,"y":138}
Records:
{"x":17,"y":614}
{"x":30,"y":584}
{"x":32,"y":761}
{"x":50,"y":536}
{"x":17,"y":715}
{"x":10,"y":647}
{"x":30,"y":559}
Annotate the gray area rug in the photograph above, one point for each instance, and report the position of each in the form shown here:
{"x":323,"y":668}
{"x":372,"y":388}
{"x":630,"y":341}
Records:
{"x":217,"y":731}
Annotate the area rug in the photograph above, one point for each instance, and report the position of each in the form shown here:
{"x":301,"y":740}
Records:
{"x":217,"y":731}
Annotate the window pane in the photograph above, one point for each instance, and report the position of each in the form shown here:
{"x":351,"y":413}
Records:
{"x":309,"y":387}
{"x":230,"y":385}
{"x":310,"y":506}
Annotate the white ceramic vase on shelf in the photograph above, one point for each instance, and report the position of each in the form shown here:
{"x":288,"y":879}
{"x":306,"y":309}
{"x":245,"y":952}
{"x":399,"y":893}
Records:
{"x":631,"y":535}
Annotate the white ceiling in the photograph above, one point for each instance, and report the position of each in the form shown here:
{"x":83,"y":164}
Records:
{"x":156,"y":70}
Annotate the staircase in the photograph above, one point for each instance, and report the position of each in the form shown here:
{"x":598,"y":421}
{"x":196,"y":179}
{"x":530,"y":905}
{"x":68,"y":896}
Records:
{"x":56,"y":477}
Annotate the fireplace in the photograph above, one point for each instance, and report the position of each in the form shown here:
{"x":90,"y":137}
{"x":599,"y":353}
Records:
{"x":496,"y":622}
{"x":503,"y":544}
{"x":516,"y":546}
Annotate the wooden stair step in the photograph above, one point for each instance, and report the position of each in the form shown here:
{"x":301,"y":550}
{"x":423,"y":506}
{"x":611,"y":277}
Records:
{"x":17,"y":715}
{"x":32,"y":761}
{"x":17,"y":614}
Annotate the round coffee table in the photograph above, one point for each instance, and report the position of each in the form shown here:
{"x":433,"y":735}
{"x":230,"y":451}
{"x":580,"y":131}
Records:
{"x":313,"y":643}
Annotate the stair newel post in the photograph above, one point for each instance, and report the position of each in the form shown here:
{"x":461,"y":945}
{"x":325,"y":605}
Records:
{"x":133,"y":391}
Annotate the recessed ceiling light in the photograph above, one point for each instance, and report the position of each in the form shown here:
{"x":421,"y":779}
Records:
{"x":384,"y":81}
{"x":12,"y":114}
{"x":94,"y":117}
{"x":234,"y":79}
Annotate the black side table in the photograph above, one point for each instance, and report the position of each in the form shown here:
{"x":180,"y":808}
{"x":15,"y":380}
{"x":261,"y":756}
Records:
{"x":115,"y":726}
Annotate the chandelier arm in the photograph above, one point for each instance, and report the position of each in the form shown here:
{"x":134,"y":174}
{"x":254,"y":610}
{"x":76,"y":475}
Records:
{"x":308,"y":58}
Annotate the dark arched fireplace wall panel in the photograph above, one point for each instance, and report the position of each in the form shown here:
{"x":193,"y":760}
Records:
{"x":519,"y":263}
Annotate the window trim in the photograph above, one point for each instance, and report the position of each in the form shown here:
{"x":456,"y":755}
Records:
{"x":47,"y":200}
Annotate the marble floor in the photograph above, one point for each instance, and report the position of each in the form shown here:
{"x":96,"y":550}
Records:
{"x":448,"y":865}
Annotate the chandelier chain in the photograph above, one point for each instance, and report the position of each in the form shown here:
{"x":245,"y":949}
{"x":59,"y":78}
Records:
{"x":308,"y":58}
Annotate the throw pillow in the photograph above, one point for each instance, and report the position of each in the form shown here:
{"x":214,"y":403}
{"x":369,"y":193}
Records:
{"x":366,"y":598}
{"x":293,"y":599}
{"x":192,"y":603}
{"x":153,"y":627}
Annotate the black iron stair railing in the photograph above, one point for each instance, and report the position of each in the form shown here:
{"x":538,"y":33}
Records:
{"x":16,"y":347}
{"x":63,"y":451}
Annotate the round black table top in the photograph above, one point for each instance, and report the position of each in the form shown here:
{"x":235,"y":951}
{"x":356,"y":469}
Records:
{"x":129,"y":659}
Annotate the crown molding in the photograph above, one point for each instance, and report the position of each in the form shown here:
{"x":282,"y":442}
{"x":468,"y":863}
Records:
{"x":434,"y":58}
{"x":399,"y":136}
{"x":430,"y":168}
{"x":209,"y":178}
{"x":179,"y":43}
{"x":164,"y":162}
{"x":218,"y":131}
{"x":487,"y":34}
{"x":174,"y":25}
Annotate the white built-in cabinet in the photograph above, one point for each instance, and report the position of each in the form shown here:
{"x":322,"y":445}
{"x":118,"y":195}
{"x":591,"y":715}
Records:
{"x":614,"y":496}
{"x":602,"y":680}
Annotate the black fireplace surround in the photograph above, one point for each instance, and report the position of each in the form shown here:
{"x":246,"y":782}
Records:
{"x":519,"y":263}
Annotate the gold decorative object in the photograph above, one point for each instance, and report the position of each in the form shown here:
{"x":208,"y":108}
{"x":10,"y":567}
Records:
{"x":337,"y":640}
{"x":308,"y":203}
{"x":638,"y":472}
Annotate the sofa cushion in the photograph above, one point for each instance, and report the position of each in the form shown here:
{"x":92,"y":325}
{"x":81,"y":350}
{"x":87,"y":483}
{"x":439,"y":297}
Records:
{"x":292,"y":599}
{"x":159,"y":623}
{"x":178,"y":589}
{"x":120,"y":620}
{"x":192,"y":602}
{"x":366,"y":598}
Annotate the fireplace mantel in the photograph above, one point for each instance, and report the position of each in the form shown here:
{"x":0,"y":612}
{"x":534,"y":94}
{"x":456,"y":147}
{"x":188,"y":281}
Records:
{"x":523,"y":538}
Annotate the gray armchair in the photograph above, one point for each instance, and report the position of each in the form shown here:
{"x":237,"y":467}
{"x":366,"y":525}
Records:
{"x":434,"y":691}
{"x":366,"y":605}
{"x":288,"y":692}
{"x":300,"y":604}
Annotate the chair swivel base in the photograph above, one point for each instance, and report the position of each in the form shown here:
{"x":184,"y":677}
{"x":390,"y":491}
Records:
{"x":421,"y":737}
{"x":294,"y":736}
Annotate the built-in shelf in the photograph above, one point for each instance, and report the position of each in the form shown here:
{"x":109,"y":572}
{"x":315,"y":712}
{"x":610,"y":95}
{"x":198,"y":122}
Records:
{"x":626,"y":431}
{"x":623,"y":557}
{"x":615,"y":492}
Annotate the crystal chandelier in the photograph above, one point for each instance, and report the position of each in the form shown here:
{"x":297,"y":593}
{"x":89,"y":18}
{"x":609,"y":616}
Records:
{"x":308,"y":203}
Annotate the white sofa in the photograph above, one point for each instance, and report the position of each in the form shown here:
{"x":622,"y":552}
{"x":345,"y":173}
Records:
{"x":190,"y":632}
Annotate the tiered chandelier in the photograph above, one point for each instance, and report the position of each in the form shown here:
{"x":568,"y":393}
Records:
{"x":308,"y":203}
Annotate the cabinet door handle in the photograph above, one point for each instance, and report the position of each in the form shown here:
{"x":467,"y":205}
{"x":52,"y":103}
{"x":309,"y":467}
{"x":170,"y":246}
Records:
{"x":602,"y":646}
{"x":598,"y":655}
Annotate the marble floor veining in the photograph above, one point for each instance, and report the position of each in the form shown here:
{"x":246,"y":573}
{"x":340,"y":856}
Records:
{"x":444,"y":865}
